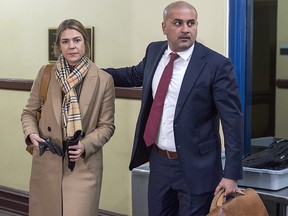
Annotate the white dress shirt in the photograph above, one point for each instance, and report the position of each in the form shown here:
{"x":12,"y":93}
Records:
{"x":165,"y":139}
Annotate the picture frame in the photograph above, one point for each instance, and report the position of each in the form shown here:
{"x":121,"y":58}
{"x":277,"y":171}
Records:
{"x":52,"y":39}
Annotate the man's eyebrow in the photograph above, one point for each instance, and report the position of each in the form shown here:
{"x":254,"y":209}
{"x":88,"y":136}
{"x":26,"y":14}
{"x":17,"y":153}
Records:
{"x":190,"y":20}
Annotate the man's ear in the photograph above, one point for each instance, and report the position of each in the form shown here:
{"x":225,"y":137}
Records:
{"x":164,"y":28}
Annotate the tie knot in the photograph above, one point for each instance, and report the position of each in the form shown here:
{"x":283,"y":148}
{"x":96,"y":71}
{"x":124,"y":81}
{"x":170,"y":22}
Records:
{"x":173,"y":56}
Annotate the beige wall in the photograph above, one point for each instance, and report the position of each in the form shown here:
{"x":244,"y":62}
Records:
{"x":123,"y":29}
{"x":282,"y":71}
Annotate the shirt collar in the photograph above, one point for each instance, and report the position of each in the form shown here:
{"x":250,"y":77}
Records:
{"x":184,"y":54}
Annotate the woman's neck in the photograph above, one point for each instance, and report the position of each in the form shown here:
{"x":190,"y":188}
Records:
{"x":72,"y":67}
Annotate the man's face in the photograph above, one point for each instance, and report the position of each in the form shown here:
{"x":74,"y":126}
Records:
{"x":180,"y":28}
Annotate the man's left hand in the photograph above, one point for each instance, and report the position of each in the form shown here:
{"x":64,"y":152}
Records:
{"x":229,"y":185}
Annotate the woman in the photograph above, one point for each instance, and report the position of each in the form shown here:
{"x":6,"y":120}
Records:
{"x":78,"y":117}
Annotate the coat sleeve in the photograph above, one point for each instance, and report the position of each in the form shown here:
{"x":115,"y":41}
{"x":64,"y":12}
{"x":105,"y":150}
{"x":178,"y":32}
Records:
{"x":228,"y":105}
{"x":28,"y":116}
{"x":130,"y":76}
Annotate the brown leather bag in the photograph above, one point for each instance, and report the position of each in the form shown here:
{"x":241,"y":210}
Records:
{"x":43,"y":94}
{"x":243,"y":203}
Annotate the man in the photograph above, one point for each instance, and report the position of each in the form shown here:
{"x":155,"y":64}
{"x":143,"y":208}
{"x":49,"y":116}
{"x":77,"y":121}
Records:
{"x":185,"y":158}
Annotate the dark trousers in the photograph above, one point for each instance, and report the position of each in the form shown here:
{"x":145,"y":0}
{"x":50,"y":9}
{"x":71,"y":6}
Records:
{"x":168,"y":194}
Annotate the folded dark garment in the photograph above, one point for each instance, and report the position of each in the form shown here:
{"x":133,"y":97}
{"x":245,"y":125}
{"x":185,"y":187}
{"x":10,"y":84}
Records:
{"x":70,"y":142}
{"x":55,"y":149}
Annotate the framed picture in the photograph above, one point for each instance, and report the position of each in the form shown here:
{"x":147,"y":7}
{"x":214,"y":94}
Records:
{"x":52,"y":40}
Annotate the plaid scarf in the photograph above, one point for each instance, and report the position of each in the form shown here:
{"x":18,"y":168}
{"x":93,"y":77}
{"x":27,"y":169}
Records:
{"x":68,"y":81}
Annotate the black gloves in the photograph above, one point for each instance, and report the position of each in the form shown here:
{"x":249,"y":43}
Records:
{"x":70,"y":142}
{"x":55,"y":149}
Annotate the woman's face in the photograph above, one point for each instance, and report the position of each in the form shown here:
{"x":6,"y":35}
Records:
{"x":72,"y":46}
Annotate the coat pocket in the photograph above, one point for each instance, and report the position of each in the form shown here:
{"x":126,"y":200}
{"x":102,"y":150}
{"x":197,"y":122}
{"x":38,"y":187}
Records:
{"x":207,"y":146}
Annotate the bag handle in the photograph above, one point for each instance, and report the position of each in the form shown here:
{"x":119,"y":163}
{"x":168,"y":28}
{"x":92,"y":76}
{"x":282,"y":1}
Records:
{"x":219,"y":198}
{"x":43,"y":95}
{"x":44,"y":87}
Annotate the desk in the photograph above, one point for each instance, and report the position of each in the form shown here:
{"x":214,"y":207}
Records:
{"x":279,"y":197}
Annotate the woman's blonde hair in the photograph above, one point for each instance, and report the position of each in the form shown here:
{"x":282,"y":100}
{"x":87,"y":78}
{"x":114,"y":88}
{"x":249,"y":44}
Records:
{"x":71,"y":24}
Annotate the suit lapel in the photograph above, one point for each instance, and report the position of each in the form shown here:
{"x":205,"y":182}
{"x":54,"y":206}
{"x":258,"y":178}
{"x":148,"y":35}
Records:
{"x":152,"y":64}
{"x":193,"y":70}
{"x":88,"y":90}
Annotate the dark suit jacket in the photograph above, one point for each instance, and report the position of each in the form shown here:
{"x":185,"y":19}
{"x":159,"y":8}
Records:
{"x":209,"y":91}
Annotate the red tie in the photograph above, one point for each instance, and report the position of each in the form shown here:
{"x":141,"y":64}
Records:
{"x":154,"y":118}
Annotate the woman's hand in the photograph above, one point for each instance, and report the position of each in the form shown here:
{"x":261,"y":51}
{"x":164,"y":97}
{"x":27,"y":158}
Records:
{"x":76,"y":151}
{"x":34,"y":139}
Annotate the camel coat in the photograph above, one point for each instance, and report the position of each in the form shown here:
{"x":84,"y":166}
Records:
{"x":54,"y":189}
